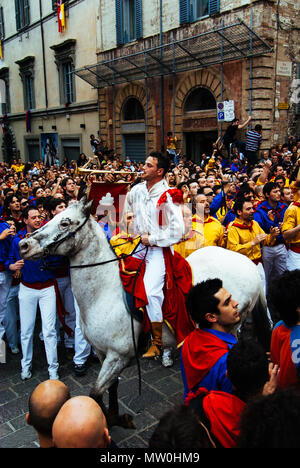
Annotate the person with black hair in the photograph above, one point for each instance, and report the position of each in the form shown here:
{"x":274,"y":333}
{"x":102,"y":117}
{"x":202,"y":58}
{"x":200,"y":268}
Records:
{"x":271,"y":422}
{"x":230,"y":135}
{"x":159,"y":222}
{"x":12,"y":209}
{"x":284,"y":297}
{"x":44,"y":404}
{"x":204,"y":351}
{"x":251,"y":374}
{"x":180,"y":429}
{"x":245,"y":235}
{"x":253,"y":141}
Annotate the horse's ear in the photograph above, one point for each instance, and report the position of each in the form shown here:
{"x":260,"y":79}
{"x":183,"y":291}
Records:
{"x":86,"y":205}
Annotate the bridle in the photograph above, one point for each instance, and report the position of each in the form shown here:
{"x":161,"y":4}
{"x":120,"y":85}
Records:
{"x":72,"y":234}
{"x":57,"y":243}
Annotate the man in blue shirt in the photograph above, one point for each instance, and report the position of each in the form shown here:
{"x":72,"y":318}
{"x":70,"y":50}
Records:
{"x":204,"y":351}
{"x":5,"y":278}
{"x":38,"y":287}
{"x":270,"y":213}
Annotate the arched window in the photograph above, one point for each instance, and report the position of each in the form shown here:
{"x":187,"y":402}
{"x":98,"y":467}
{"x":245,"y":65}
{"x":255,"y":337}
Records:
{"x":200,"y":99}
{"x":133,"y":110}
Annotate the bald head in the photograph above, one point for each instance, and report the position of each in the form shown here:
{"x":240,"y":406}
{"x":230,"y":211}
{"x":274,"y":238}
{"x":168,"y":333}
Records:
{"x":80,"y":424}
{"x":44,"y":404}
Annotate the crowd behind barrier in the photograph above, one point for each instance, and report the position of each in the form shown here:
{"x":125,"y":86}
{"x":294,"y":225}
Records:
{"x":236,"y":197}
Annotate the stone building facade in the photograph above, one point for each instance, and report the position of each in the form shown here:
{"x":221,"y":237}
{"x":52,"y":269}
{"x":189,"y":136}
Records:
{"x":134,"y":116}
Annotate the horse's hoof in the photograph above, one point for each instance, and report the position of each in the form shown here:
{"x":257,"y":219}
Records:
{"x":97,"y":398}
{"x":124,"y":420}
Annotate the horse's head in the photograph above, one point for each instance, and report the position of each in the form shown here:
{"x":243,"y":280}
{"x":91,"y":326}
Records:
{"x":60,"y":236}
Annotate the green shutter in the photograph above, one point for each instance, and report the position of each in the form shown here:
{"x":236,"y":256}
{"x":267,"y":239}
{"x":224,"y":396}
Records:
{"x":139,"y":18}
{"x":18,"y":17}
{"x":2,"y":30}
{"x":214,"y":7}
{"x":119,"y":22}
{"x":26,"y":13}
{"x":184,"y":11}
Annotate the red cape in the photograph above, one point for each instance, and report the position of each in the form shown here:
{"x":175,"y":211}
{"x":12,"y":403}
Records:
{"x":223,"y":410}
{"x":178,"y":282}
{"x":200,"y":351}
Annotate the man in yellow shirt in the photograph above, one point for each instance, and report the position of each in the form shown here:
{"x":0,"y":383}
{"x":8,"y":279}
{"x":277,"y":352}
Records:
{"x":245,"y":235}
{"x":213,"y":229}
{"x":18,"y":166}
{"x":291,"y":233}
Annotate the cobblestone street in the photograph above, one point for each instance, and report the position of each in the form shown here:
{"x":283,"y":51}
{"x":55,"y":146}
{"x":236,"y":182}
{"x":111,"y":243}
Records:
{"x":161,"y":389}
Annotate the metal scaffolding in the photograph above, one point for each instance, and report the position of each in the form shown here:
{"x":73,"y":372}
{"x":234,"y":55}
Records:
{"x":217,"y":46}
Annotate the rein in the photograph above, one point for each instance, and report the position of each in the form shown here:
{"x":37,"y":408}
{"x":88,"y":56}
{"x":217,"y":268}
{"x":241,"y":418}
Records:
{"x":72,"y":234}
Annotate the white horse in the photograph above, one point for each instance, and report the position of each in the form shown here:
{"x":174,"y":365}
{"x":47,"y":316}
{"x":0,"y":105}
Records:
{"x":104,"y":318}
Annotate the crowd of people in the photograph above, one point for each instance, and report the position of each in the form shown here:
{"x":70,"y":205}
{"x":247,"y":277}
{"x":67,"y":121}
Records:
{"x":238,"y":198}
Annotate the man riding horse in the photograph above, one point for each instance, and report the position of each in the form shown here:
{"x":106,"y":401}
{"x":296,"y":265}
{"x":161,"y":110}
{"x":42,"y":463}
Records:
{"x":159,"y":222}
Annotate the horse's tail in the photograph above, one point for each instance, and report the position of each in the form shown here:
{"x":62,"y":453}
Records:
{"x":262,"y":323}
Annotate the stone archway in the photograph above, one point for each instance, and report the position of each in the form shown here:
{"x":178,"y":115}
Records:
{"x":190,"y":81}
{"x":138,"y":91}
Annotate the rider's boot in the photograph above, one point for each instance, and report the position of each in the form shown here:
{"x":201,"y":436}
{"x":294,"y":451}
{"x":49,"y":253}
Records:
{"x":155,"y":349}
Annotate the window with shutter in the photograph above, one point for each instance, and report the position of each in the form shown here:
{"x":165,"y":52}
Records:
{"x":64,"y":56}
{"x":22,"y":10}
{"x":26,"y":71}
{"x":192,"y":10}
{"x":129,"y":20}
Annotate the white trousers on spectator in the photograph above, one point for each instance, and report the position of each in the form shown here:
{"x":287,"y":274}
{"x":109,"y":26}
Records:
{"x":154,"y":280}
{"x":11,"y":317}
{"x":29,"y":299}
{"x":82,"y":348}
{"x":274,"y":259}
{"x":5,"y":282}
{"x":293,"y":260}
{"x":64,"y":286}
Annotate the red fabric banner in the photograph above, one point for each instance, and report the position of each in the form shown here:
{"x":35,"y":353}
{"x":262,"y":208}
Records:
{"x":109,"y":197}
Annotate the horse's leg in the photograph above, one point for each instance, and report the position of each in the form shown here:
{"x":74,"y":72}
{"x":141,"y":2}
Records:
{"x":108,"y":380}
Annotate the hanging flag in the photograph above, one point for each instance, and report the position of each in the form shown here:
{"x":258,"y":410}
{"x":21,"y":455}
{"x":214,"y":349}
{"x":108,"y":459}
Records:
{"x":1,"y":50}
{"x":61,"y":17}
{"x":28,"y":121}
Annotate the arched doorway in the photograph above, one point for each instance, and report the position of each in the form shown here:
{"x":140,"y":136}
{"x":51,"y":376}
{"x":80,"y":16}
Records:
{"x":200,"y":126}
{"x":133,"y":129}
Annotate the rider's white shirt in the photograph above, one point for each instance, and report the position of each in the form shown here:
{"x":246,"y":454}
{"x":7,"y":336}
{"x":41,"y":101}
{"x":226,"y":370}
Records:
{"x":143,"y":203}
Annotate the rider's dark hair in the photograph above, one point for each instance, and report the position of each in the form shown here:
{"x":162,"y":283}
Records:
{"x":284,"y":296}
{"x":271,"y":421}
{"x":180,"y":429}
{"x":163,"y":162}
{"x":201,"y":300}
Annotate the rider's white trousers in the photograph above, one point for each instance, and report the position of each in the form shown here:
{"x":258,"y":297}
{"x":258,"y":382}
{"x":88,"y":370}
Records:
{"x":154,"y":280}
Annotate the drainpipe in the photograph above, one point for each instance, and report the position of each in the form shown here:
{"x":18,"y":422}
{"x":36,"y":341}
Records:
{"x":43,"y":50}
{"x":162,"y":107}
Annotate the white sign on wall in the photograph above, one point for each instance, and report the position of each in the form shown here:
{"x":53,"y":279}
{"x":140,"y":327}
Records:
{"x":284,"y":68}
{"x":225,"y":111}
